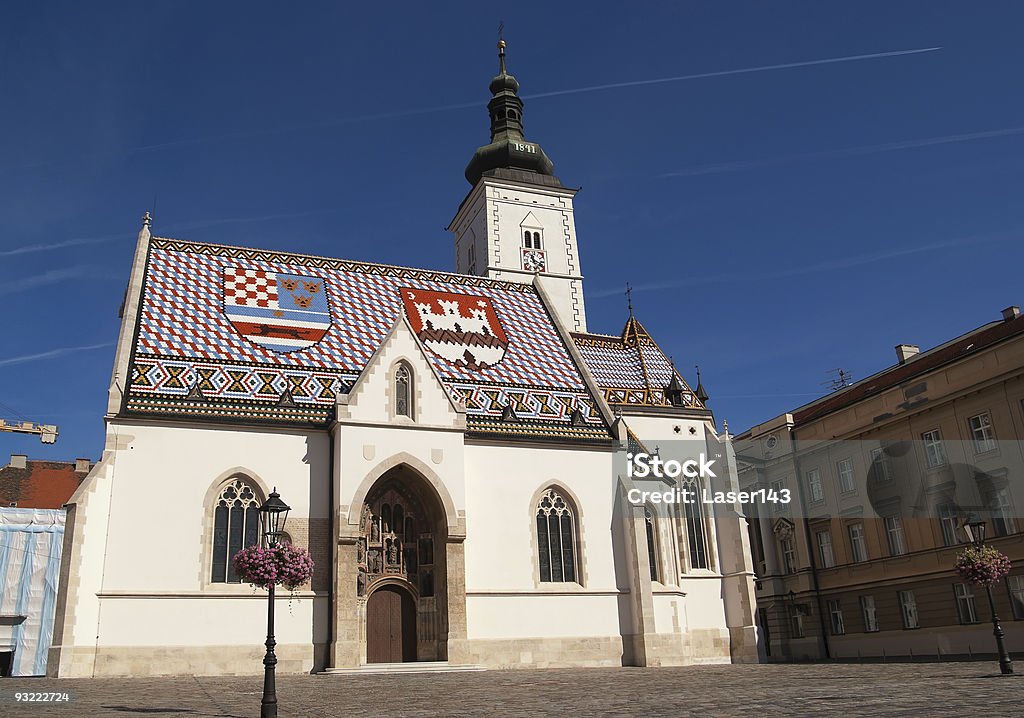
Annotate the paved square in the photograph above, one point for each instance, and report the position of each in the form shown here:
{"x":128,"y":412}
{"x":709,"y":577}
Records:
{"x":919,"y":690}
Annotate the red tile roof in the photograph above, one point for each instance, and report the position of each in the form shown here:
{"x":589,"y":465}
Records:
{"x":40,"y":485}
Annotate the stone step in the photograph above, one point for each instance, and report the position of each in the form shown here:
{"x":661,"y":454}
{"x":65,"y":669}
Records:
{"x":410,"y":667}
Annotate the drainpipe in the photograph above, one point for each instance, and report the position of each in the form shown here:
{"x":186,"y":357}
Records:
{"x":332,"y":592}
{"x":810,"y":545}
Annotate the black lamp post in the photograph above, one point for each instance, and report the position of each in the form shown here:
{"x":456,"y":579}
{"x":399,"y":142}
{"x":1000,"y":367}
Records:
{"x":273,"y":514}
{"x":975,"y":532}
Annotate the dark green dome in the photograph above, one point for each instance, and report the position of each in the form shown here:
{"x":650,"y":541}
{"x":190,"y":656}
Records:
{"x":508,"y":148}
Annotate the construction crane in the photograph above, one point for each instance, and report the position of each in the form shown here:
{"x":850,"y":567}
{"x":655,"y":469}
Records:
{"x":47,"y":432}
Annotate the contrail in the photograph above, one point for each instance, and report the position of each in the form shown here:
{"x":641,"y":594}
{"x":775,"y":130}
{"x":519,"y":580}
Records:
{"x":53,"y":353}
{"x":740,"y":165}
{"x":738,"y":71}
{"x":50,"y":276}
{"x":476,"y":103}
{"x":834,"y":264}
{"x":191,"y":224}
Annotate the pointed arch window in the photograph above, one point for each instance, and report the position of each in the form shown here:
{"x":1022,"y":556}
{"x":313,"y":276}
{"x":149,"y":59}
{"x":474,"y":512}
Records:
{"x":403,"y":391}
{"x":652,"y":544}
{"x":556,"y":538}
{"x":531,"y":239}
{"x":236,"y":525}
{"x":696,"y":533}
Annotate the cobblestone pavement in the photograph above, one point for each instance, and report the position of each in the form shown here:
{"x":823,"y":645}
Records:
{"x":919,"y":690}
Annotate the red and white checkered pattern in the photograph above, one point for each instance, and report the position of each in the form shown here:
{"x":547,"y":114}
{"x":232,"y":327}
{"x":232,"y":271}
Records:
{"x":250,"y":288}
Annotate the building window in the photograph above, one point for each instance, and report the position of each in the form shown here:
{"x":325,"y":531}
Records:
{"x":858,"y":549}
{"x":828,"y":559}
{"x":949,"y":520}
{"x":982,"y":434}
{"x":894,"y":532}
{"x":908,"y":609}
{"x":1015,"y":586}
{"x":556,"y":538}
{"x":882,"y":465}
{"x":844,"y":469}
{"x":403,"y":391}
{"x":998,"y":502}
{"x":867,"y":609}
{"x":814,"y":487}
{"x":695,"y":529}
{"x":965,"y":607}
{"x":652,"y":545}
{"x":796,"y":621}
{"x":778,"y":487}
{"x":471,"y":259}
{"x":788,"y":555}
{"x":236,"y":524}
{"x":934,"y":451}
{"x":531,"y":239}
{"x":835,"y":615}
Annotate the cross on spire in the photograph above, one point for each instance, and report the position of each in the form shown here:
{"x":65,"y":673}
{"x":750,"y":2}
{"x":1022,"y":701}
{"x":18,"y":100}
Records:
{"x":629,"y":298}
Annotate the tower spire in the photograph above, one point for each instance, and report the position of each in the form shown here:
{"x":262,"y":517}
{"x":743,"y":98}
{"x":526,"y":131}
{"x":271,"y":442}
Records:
{"x":509,"y":149}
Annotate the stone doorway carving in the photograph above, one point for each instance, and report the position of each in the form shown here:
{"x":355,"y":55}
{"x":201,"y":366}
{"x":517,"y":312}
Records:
{"x":400,"y":552}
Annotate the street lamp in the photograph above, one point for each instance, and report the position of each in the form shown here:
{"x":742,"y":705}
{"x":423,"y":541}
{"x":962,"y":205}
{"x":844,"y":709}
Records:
{"x":273,"y":514}
{"x":975,"y":532}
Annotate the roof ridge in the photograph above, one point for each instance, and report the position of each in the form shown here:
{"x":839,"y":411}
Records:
{"x":303,"y":255}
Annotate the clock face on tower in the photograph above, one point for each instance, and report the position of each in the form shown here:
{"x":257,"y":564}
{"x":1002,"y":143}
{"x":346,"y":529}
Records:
{"x":533,"y":260}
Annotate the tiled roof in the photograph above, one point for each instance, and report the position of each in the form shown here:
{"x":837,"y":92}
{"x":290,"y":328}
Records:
{"x":39,"y":485}
{"x":957,"y":349}
{"x":244,"y":334}
{"x":631,"y":369}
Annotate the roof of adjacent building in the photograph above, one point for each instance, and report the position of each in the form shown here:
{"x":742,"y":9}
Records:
{"x":252,"y":335}
{"x":631,"y":369}
{"x":39,"y":484}
{"x":962,"y":347}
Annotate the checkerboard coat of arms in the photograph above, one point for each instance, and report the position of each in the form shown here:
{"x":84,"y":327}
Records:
{"x":462,"y":328}
{"x":281,"y":312}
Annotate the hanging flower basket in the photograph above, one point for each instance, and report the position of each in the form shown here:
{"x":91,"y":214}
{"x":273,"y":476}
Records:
{"x":280,"y":565}
{"x":982,"y":566}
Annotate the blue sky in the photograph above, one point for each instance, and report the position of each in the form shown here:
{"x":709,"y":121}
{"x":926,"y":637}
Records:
{"x":776,"y":223}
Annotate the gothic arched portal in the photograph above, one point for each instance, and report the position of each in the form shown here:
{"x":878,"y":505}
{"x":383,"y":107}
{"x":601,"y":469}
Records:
{"x":401,"y":569}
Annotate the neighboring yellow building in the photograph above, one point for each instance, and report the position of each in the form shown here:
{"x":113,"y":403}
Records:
{"x":882,"y":475}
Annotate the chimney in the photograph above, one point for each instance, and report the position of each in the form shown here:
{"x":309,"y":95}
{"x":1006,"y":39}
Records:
{"x":1011,"y":313}
{"x":904,"y":352}
{"x":19,"y":461}
{"x":82,"y":466}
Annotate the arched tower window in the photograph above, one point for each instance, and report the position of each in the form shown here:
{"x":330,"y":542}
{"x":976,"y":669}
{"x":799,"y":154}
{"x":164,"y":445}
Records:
{"x":236,"y":524}
{"x":696,"y":534}
{"x":652,"y":545}
{"x":403,"y":391}
{"x":531,"y":239}
{"x":556,"y":538}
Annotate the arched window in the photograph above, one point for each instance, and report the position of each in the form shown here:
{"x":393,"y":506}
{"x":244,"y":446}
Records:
{"x":531,"y":239}
{"x":556,"y":538}
{"x":652,"y":545}
{"x":403,"y":391}
{"x":695,"y":529}
{"x":236,"y":524}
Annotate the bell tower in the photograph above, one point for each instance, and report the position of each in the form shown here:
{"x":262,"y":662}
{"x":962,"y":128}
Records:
{"x":517,"y":222}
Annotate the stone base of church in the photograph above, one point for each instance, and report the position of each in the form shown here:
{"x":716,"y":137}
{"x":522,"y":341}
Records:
{"x":744,"y":644}
{"x":544,"y":652}
{"x":111,"y":661}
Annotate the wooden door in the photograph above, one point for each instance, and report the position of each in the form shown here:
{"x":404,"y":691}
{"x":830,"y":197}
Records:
{"x":390,"y":626}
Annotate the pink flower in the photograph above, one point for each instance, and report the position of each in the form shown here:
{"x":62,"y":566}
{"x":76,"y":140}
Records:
{"x":281,"y":564}
{"x":983,"y":566}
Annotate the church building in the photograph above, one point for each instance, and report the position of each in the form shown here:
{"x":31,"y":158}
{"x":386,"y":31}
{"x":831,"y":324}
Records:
{"x":452,"y":447}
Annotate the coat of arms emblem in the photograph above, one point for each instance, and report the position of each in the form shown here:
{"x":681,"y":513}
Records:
{"x":462,"y":328}
{"x":282,"y":312}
